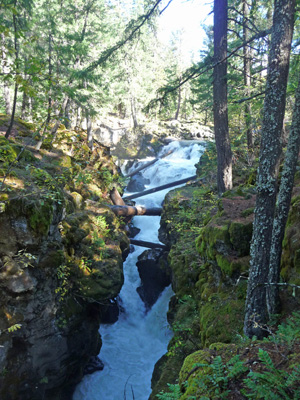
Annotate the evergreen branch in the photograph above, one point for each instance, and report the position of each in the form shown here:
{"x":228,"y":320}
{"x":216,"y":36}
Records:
{"x":137,"y":25}
{"x":249,"y":98}
{"x":195,"y":72}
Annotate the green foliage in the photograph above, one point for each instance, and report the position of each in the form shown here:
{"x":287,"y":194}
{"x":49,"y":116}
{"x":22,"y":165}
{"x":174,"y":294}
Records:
{"x":11,"y":329}
{"x":213,"y":383}
{"x":173,"y":394}
{"x":106,"y":177}
{"x":233,"y":375}
{"x":191,"y":211}
{"x":83,"y":177}
{"x":14,"y":328}
{"x":272,"y":383}
{"x":207,"y":165}
{"x":288,"y":333}
{"x":63,"y":275}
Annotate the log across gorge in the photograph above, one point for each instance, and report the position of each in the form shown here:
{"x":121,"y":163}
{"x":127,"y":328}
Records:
{"x":132,"y":345}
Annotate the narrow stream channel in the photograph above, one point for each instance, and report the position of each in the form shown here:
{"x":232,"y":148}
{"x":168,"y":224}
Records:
{"x":133,"y":345}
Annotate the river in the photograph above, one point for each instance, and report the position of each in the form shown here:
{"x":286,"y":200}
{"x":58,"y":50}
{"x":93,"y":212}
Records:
{"x":133,"y":344}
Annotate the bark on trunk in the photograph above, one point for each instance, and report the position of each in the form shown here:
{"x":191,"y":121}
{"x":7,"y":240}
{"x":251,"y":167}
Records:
{"x":282,"y":209}
{"x":89,"y":130}
{"x":8,"y":132}
{"x":178,"y":104}
{"x":6,"y":92}
{"x":78,"y":118}
{"x":53,"y":132}
{"x":247,"y":81}
{"x":224,"y":156}
{"x":270,"y":151}
{"x":67,"y":121}
{"x":133,"y":112}
{"x":116,"y":197}
{"x":49,"y":78}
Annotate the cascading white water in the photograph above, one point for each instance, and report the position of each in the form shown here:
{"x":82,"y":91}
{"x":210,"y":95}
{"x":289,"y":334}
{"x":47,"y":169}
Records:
{"x":133,"y":345}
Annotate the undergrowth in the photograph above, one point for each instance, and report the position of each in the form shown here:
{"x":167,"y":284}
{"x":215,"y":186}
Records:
{"x":239,"y":378}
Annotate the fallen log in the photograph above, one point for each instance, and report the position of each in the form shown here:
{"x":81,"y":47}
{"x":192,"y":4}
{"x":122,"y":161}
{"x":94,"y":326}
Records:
{"x":116,"y":197}
{"x":158,"y":188}
{"x":150,"y":245}
{"x":148,"y":164}
{"x":128,"y":211}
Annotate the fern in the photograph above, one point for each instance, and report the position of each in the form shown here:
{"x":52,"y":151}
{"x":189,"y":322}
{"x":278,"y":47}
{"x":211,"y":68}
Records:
{"x":266,"y":359}
{"x":272,"y":384}
{"x":287,"y":333}
{"x":236,"y":367}
{"x":174,"y":393}
{"x":14,"y":328}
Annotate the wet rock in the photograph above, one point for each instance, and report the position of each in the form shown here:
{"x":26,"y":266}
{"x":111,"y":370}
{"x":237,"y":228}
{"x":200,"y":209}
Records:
{"x":133,"y":230}
{"x":94,"y":364}
{"x":110,"y":312}
{"x":137,"y":183}
{"x":155,"y":275}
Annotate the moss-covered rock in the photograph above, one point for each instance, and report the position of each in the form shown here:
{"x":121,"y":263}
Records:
{"x":60,"y":257}
{"x":207,"y":257}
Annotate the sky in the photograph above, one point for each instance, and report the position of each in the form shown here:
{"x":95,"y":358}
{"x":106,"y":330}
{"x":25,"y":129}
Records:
{"x":188,"y":15}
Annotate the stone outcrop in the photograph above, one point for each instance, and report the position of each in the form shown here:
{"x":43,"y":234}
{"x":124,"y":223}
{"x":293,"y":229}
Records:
{"x":147,"y":138}
{"x":60,"y":264}
{"x":155,"y":275}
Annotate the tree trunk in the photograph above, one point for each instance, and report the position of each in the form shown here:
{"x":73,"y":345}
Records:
{"x":270,"y":151}
{"x":89,"y":130}
{"x":6,"y":92}
{"x":130,"y":211}
{"x":53,"y":132}
{"x":24,"y":104}
{"x":133,"y":112}
{"x":67,"y":121}
{"x":247,"y":81}
{"x":78,"y":118}
{"x":116,"y":197}
{"x":282,"y":208}
{"x":224,"y":155}
{"x":178,"y":103}
{"x":49,"y":78}
{"x":8,"y":132}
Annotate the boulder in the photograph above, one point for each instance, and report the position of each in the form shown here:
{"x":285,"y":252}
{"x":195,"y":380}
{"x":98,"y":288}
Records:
{"x":137,"y":183}
{"x":155,"y":275}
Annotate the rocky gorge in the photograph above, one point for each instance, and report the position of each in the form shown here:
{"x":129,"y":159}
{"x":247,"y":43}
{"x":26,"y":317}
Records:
{"x":61,"y":261}
{"x":61,"y":257}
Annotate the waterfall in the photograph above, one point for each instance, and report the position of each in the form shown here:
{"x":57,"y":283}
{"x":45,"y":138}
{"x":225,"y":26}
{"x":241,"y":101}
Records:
{"x":133,"y":344}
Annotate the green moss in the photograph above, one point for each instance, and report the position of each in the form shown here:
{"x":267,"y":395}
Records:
{"x":247,"y":212}
{"x":191,"y":371}
{"x":226,"y":266}
{"x":223,"y":310}
{"x":54,"y":257}
{"x":40,"y":217}
{"x":8,"y":152}
{"x":240,"y":237}
{"x":213,"y":239}
{"x":4,"y":197}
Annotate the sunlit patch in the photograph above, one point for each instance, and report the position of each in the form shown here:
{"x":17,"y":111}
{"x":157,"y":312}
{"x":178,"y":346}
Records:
{"x":14,"y":183}
{"x":8,"y":316}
